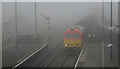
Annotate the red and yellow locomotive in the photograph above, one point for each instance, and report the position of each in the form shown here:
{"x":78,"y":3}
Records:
{"x":72,"y":37}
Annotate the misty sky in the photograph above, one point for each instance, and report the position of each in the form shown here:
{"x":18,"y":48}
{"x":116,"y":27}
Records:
{"x":62,"y":15}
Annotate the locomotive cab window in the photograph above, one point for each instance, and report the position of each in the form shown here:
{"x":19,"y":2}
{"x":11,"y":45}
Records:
{"x":76,"y":35}
{"x":68,"y":35}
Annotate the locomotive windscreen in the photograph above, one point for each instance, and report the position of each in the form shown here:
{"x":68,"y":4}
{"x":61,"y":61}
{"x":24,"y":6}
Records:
{"x":76,"y":35}
{"x":68,"y":35}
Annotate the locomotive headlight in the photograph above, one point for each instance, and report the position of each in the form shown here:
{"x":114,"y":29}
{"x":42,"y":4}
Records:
{"x":65,"y":44}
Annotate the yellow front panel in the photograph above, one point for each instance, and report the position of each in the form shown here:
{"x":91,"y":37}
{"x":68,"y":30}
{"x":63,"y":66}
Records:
{"x":72,"y":43}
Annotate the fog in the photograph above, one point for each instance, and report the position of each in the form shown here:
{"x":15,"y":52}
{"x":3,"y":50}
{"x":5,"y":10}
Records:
{"x":25,"y":24}
{"x":60,"y":14}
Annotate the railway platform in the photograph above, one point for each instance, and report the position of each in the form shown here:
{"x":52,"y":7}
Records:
{"x":94,"y":55}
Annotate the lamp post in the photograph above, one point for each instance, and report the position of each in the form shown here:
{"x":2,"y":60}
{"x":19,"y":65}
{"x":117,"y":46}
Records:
{"x":48,"y":19}
{"x":16,"y":25}
{"x":111,"y":31}
{"x":36,"y":34}
{"x":103,"y":50}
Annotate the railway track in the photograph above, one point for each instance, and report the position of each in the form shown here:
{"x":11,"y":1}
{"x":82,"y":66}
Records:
{"x":47,"y":58}
{"x":58,"y":57}
{"x":67,"y":59}
{"x":40,"y":55}
{"x":75,"y":66}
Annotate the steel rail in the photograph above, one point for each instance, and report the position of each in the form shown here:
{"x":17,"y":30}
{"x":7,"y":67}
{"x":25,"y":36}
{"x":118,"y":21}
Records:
{"x":29,"y":56}
{"x":79,"y":57}
{"x":53,"y":58}
{"x":46,"y":55}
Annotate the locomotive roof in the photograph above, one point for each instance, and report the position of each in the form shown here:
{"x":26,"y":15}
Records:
{"x":72,"y":30}
{"x":76,"y":29}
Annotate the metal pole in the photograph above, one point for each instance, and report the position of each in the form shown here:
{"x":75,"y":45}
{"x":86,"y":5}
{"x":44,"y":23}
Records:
{"x":111,"y":31}
{"x":49,"y":29}
{"x":103,"y":33}
{"x":16,"y":25}
{"x":48,"y":19}
{"x":35,"y":21}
